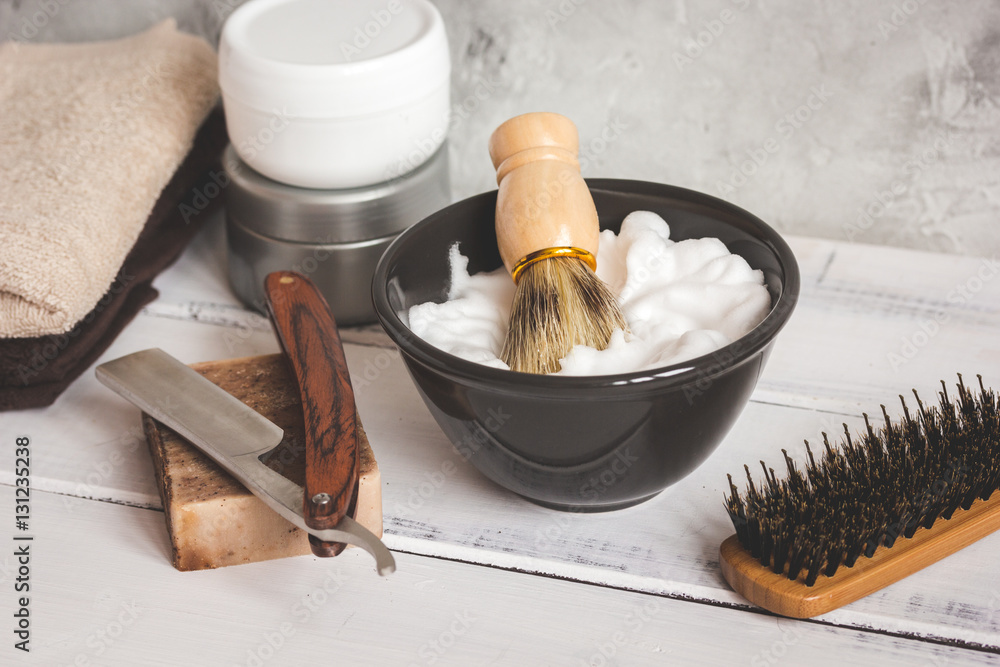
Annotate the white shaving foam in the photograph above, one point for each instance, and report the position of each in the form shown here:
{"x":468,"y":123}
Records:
{"x":682,"y":299}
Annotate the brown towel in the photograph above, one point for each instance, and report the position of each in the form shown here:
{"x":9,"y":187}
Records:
{"x":34,"y":371}
{"x":90,"y":134}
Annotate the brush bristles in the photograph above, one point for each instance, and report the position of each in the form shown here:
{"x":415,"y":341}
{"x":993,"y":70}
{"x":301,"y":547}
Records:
{"x":871,"y":492}
{"x":558,"y":303}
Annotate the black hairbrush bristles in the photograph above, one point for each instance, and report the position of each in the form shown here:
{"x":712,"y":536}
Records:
{"x":870,"y":492}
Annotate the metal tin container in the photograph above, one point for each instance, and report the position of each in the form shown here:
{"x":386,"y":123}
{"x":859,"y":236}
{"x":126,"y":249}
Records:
{"x":335,"y":237}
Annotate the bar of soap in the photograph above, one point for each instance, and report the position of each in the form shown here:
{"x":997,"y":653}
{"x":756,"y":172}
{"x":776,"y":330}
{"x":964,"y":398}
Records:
{"x":212,"y":520}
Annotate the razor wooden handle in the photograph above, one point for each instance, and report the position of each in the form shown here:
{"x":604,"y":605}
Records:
{"x":543,"y":201}
{"x":308,"y":334}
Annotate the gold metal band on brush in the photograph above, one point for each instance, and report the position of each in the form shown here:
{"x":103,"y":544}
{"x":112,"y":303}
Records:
{"x":546,"y":253}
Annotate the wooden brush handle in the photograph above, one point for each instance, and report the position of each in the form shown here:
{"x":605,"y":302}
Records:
{"x":308,"y":335}
{"x":775,"y":592}
{"x":543,"y":201}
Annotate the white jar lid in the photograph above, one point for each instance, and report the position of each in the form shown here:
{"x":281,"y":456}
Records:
{"x":333,"y":58}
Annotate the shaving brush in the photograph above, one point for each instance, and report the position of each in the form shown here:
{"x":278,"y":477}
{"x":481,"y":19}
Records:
{"x":547,"y":233}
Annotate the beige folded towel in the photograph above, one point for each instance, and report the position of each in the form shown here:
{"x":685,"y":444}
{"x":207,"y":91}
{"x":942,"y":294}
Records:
{"x":89,"y":136}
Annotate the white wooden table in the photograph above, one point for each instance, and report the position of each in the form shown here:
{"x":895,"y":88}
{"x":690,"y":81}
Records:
{"x":484,"y":577}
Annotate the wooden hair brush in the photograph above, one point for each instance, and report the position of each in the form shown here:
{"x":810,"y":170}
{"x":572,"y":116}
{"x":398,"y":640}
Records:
{"x":870,"y":512}
{"x":547,"y":232}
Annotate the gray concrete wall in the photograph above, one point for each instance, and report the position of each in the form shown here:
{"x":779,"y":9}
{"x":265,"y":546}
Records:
{"x":874,"y":121}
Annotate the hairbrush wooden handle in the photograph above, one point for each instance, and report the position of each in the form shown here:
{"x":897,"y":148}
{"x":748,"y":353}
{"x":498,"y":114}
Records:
{"x":543,"y":201}
{"x":308,"y":335}
{"x":781,"y":595}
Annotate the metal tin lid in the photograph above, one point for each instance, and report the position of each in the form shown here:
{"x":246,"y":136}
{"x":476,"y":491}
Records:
{"x":306,"y":215}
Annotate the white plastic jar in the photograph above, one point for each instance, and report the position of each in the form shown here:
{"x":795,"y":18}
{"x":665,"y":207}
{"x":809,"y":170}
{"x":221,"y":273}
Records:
{"x":335,"y":93}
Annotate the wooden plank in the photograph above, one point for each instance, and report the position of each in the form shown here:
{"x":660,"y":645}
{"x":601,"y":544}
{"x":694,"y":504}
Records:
{"x":858,"y":302}
{"x":874,"y":322}
{"x":114,"y":600}
{"x":668,"y":545}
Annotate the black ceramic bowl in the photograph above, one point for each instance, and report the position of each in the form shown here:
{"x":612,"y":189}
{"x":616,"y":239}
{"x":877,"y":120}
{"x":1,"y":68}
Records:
{"x":583,"y":443}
